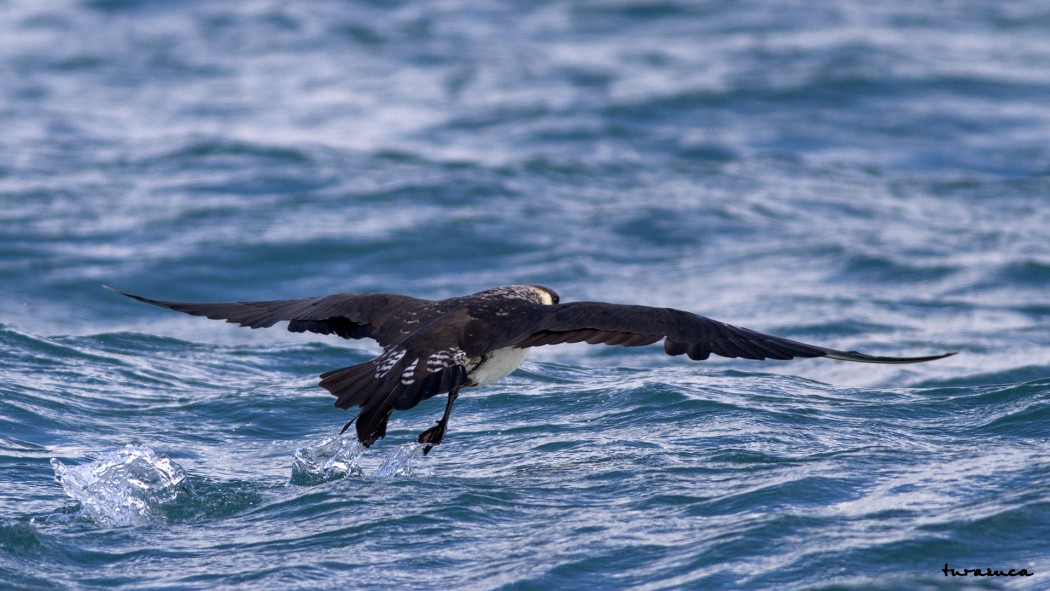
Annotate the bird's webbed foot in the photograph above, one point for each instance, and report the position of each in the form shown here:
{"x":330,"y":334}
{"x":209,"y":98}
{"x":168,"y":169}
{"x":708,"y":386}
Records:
{"x":433,"y":436}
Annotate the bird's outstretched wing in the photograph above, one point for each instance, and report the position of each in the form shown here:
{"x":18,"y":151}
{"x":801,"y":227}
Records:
{"x":383,"y":317}
{"x":683,"y":333}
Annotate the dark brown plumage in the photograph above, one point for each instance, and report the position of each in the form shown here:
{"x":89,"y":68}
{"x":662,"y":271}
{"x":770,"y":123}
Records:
{"x":436,"y":347}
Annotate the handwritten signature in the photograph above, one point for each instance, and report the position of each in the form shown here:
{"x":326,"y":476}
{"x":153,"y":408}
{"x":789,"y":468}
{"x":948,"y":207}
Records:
{"x":987,"y":572}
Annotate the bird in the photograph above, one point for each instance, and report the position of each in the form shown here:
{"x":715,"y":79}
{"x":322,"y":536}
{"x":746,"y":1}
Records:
{"x":432,"y":347}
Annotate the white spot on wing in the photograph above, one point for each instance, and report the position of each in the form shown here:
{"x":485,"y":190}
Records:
{"x":387,"y":361}
{"x":446,"y":358}
{"x":407,"y":376}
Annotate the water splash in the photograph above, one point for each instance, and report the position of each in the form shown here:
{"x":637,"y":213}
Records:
{"x":337,"y":457}
{"x":399,"y":463}
{"x":331,"y":458}
{"x":123,"y":487}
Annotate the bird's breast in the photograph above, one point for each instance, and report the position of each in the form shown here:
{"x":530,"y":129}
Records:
{"x":496,"y":366}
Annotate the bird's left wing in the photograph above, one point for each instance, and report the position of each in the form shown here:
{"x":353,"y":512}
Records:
{"x":383,"y":317}
{"x":683,"y":332}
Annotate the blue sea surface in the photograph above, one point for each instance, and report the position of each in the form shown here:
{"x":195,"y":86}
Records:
{"x":871,"y":176}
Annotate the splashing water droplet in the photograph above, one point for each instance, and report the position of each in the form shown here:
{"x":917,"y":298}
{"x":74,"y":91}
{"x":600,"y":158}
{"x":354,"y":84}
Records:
{"x":399,"y":463}
{"x":331,"y":458}
{"x":122,"y":487}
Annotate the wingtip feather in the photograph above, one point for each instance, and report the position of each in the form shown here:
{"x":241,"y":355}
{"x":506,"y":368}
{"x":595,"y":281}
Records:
{"x":132,"y":296}
{"x":864,"y":358}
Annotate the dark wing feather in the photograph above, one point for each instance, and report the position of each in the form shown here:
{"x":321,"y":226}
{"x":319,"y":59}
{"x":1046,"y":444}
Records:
{"x":683,"y":333}
{"x":349,"y":315}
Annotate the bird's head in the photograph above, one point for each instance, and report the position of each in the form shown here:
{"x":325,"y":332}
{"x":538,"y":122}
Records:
{"x":547,"y":295}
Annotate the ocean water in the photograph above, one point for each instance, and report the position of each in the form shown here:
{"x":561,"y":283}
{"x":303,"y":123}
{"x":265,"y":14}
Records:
{"x":871,"y":176}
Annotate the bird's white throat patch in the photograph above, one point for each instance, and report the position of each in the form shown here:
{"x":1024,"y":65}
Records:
{"x":499,"y":364}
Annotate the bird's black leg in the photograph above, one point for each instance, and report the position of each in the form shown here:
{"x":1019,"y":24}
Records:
{"x":435,"y":434}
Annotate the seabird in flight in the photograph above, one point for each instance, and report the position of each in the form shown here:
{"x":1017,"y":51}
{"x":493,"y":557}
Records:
{"x":433,"y":347}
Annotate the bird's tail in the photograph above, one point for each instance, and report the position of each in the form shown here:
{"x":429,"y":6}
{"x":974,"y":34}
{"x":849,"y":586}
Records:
{"x":380,"y":385}
{"x":352,"y":386}
{"x":359,"y":385}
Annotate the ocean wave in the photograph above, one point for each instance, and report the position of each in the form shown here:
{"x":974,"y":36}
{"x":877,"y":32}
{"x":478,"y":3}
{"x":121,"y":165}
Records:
{"x":861,"y":176}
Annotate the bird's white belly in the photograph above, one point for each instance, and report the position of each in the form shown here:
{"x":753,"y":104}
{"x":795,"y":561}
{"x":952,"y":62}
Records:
{"x":499,"y":364}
